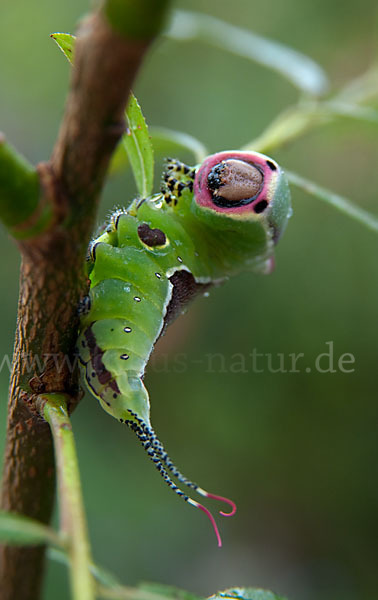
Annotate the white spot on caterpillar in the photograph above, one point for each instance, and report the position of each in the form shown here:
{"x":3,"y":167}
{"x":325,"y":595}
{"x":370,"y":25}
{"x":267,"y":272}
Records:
{"x":124,"y":356}
{"x":158,"y":275}
{"x":179,"y":259}
{"x":137,"y":299}
{"x":127,"y":329}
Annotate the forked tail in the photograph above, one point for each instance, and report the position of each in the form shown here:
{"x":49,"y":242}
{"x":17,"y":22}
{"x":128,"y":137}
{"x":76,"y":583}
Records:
{"x":162,"y":462}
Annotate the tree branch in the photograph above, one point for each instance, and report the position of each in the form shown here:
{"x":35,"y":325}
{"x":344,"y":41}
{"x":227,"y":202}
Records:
{"x":52,"y":275}
{"x":94,"y":117}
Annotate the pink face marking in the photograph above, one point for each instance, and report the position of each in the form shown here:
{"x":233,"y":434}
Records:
{"x":236,"y":182}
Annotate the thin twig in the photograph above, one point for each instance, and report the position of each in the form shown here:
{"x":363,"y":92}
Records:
{"x":301,"y":70}
{"x":127,"y":593}
{"x":295,"y":121}
{"x":347,"y":207}
{"x":53,"y":407}
{"x":19,"y":194}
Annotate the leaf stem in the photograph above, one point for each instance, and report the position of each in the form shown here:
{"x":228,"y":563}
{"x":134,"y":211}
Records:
{"x":53,"y":407}
{"x":299,"y":69}
{"x":289,"y":125}
{"x":20,"y":193}
{"x":297,"y":120}
{"x":122,"y":592}
{"x":347,"y":207}
{"x":19,"y":530}
{"x":108,"y":586}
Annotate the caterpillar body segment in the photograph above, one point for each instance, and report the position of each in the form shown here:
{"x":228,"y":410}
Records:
{"x":209,"y":222}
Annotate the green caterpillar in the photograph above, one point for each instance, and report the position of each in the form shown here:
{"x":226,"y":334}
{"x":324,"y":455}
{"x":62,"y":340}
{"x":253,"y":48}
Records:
{"x":208,"y":223}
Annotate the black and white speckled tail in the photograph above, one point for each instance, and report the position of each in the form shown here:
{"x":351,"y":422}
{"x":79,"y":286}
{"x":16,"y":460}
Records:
{"x":159,"y":465}
{"x":149,"y":439}
{"x":159,"y":457}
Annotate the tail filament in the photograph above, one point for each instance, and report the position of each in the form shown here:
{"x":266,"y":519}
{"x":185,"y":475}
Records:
{"x":160,"y":458}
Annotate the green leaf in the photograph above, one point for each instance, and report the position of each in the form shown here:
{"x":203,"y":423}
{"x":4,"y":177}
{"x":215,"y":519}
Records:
{"x":138,"y":145}
{"x":18,"y":530}
{"x":66,"y":42}
{"x":301,"y":70}
{"x":136,"y":141}
{"x":246,"y":594}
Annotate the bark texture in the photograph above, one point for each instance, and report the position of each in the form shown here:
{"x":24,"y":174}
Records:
{"x":52,"y":280}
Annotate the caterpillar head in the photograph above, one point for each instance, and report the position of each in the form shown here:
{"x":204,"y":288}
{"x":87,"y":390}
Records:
{"x":244,"y":186}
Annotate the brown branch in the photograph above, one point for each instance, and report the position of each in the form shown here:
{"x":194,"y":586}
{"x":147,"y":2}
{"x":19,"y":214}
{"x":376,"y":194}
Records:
{"x":94,"y":118}
{"x":52,"y":278}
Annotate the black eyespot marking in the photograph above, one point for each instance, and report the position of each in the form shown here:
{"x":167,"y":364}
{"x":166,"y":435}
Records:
{"x":127,"y":329}
{"x":124,"y":356}
{"x":271,"y":165}
{"x":151,"y":237}
{"x":114,"y":395}
{"x":260,"y":206}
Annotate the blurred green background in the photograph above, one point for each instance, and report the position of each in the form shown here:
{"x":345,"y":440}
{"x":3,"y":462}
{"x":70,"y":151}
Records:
{"x":296,"y":451}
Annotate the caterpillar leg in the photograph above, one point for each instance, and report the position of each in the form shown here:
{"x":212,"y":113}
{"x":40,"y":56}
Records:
{"x":160,"y":458}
